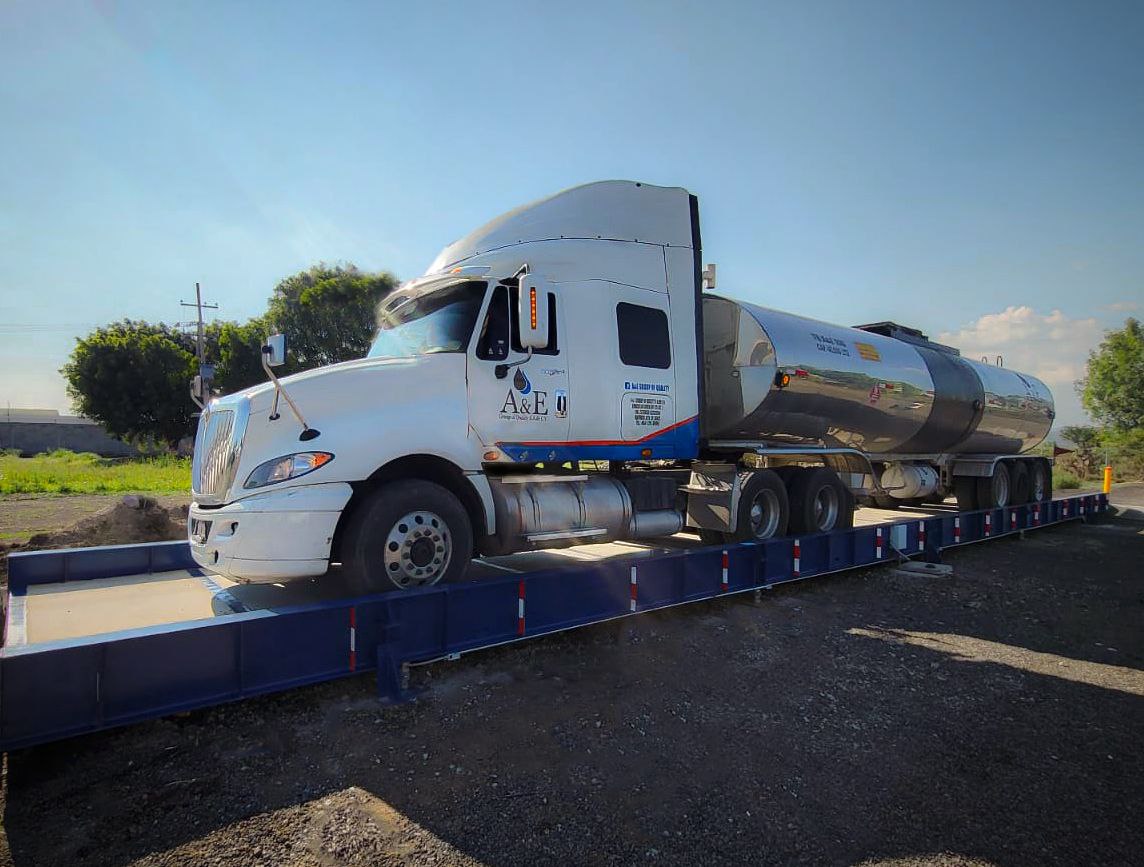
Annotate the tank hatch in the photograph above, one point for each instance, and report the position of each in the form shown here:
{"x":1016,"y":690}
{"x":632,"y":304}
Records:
{"x":906,"y":335}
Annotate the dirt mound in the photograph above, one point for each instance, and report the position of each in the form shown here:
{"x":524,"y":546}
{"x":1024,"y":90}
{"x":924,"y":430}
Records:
{"x":133,"y":519}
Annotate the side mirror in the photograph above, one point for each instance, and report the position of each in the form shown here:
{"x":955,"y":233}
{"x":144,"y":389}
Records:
{"x":274,"y":350}
{"x":532,"y":311}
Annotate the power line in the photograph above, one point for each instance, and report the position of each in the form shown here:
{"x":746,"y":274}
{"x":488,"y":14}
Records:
{"x":200,"y":306}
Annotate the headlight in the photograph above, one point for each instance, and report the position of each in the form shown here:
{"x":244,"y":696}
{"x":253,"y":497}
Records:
{"x":286,"y":467}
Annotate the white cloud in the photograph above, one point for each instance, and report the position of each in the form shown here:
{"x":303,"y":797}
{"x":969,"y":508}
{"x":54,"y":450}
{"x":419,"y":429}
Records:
{"x":1122,"y":306}
{"x":1051,"y":346}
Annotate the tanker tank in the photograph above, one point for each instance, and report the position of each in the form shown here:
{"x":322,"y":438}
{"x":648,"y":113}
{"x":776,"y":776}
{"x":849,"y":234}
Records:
{"x":858,"y":388}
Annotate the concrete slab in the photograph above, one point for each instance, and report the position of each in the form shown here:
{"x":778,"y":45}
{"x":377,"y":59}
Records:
{"x":78,"y":608}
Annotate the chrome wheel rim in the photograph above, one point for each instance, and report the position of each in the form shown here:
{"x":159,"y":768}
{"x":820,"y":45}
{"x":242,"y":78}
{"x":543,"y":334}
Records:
{"x":418,"y":550}
{"x":825,"y":509}
{"x":1000,"y":490}
{"x":764,"y":514}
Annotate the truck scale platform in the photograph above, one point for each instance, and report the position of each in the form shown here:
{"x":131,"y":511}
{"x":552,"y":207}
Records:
{"x":103,"y":637}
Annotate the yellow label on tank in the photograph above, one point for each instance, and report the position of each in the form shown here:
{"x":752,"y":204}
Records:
{"x":867,"y":351}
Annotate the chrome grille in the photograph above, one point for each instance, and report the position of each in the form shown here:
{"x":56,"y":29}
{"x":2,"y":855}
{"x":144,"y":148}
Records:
{"x":217,"y":445}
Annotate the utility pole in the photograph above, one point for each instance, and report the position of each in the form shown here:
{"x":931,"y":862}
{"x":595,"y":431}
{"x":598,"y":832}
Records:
{"x":201,"y":385}
{"x":200,"y":306}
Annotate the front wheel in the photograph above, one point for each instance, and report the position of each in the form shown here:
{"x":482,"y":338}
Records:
{"x":407,"y":534}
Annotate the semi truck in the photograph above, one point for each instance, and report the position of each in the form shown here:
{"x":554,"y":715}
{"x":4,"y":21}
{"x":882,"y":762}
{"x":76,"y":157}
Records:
{"x":567,"y":374}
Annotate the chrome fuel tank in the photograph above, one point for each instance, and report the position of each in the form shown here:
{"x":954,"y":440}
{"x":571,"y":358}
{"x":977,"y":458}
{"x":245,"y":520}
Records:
{"x":850,"y":387}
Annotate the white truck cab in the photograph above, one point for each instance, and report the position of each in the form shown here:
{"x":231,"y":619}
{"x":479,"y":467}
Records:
{"x":559,"y":376}
{"x":561,"y":332}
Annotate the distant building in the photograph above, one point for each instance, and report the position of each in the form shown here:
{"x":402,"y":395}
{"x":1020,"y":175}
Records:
{"x":41,"y":430}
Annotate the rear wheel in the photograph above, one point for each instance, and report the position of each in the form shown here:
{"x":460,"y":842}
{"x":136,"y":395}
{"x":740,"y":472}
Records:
{"x":1040,"y":481}
{"x":965,"y":489}
{"x":408,"y":534}
{"x":819,"y":502}
{"x":993,"y":491}
{"x":764,"y":509}
{"x":1019,"y":472}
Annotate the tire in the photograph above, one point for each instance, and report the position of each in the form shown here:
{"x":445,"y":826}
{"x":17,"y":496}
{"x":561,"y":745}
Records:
{"x":407,"y":534}
{"x":995,"y":491}
{"x":965,"y":489}
{"x":787,"y":473}
{"x":1019,"y":472}
{"x":764,"y":508}
{"x":819,"y":502}
{"x":1040,"y":481}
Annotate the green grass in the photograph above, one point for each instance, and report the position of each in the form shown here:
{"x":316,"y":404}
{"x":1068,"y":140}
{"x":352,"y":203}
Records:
{"x":64,"y":472}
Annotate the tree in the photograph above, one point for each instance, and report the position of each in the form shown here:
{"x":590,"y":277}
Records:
{"x":1087,"y":441}
{"x":133,"y":378}
{"x":237,"y":350}
{"x":328,"y":313}
{"x":1113,"y":388}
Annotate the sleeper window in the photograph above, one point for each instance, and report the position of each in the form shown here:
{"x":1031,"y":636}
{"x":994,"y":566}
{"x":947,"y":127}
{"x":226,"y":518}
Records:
{"x":644,"y":337}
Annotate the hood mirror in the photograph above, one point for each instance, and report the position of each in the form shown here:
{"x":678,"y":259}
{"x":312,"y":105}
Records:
{"x":274,"y":350}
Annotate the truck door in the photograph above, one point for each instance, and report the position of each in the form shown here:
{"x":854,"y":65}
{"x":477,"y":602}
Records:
{"x":624,"y":370}
{"x":518,"y":403}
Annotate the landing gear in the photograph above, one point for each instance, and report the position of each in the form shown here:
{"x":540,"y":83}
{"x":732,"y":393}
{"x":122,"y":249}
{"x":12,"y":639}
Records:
{"x":408,"y":534}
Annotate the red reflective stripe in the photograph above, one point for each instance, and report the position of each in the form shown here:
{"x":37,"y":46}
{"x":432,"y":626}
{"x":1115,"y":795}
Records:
{"x":634,"y":589}
{"x":797,"y":557}
{"x":726,"y":566}
{"x":520,"y":608}
{"x":957,"y":529}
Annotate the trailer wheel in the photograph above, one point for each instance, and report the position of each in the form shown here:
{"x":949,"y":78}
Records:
{"x":1040,"y":481}
{"x":764,"y":509}
{"x":965,"y":489}
{"x":1019,"y":472}
{"x":993,"y":492}
{"x":408,"y":534}
{"x":819,"y":502}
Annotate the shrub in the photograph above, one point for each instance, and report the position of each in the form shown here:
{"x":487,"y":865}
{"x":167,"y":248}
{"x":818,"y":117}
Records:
{"x":1063,"y":480}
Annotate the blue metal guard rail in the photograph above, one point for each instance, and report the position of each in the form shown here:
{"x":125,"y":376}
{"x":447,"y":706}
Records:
{"x":59,"y":689}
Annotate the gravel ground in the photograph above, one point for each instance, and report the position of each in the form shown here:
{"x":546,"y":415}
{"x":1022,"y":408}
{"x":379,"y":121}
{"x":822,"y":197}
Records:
{"x":989,"y":717}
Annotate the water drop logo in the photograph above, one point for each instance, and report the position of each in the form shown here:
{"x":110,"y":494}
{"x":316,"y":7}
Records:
{"x":520,"y":382}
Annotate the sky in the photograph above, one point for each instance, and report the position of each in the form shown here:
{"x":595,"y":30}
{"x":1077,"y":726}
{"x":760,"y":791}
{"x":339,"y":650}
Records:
{"x":973,"y":168}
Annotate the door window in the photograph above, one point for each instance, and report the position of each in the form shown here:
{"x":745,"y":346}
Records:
{"x":644,"y":337}
{"x":493,"y":342}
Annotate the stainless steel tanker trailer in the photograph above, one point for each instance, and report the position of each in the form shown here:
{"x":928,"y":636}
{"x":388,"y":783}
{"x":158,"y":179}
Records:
{"x":902,"y":420}
{"x":562,"y":375}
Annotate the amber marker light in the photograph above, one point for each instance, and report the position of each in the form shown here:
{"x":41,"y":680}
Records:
{"x":532,"y":306}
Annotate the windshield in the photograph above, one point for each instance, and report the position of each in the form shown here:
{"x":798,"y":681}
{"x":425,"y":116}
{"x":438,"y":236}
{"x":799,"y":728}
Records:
{"x":436,"y":321}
